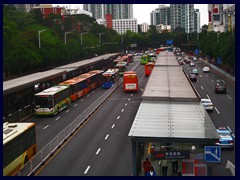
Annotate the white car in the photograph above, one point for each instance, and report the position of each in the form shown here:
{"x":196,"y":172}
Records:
{"x":207,"y":104}
{"x":194,"y":59}
{"x":206,"y":69}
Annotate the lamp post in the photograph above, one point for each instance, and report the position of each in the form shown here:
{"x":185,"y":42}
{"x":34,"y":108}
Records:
{"x":39,"y":39}
{"x":81,"y":36}
{"x":65,"y":36}
{"x":100,"y":37}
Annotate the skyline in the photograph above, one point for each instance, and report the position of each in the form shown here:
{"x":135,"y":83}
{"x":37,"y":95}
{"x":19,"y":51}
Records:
{"x":142,"y":11}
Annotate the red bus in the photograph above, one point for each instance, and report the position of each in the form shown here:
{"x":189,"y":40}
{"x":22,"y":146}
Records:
{"x":148,"y":68}
{"x":130,"y":81}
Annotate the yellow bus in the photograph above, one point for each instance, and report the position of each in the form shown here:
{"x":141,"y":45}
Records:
{"x":19,"y":146}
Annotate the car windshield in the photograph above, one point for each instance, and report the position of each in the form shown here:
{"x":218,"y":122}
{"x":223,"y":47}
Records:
{"x":206,"y":101}
{"x":224,"y":133}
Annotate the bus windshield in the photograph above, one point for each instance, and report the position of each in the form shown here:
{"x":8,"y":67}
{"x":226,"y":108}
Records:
{"x":43,"y":101}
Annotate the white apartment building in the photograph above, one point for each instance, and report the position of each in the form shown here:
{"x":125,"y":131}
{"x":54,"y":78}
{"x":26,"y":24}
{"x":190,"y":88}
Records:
{"x":144,"y":27}
{"x":162,"y":27}
{"x":122,"y":25}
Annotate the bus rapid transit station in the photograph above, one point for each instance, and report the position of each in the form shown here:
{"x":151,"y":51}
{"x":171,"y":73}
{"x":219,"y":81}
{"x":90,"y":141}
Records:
{"x":171,"y":123}
{"x":18,"y":93}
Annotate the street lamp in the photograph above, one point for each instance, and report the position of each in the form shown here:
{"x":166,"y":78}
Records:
{"x":65,"y":36}
{"x":100,"y":37}
{"x":39,"y":39}
{"x":81,"y":36}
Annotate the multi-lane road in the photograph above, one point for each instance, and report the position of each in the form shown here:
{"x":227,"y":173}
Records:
{"x":102,"y":146}
{"x":224,"y":109}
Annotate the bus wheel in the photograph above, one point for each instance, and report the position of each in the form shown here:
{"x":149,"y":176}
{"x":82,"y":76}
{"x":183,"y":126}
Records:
{"x":25,"y":160}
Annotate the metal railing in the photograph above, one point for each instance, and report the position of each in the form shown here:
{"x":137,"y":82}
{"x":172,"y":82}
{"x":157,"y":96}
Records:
{"x":39,"y":159}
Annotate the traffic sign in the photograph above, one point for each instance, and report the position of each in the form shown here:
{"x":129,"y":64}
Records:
{"x":212,"y":154}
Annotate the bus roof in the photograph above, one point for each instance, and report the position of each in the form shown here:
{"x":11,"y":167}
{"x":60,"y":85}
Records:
{"x":73,"y":81}
{"x":129,"y":72}
{"x":110,"y":72}
{"x":96,"y":72}
{"x":12,"y":130}
{"x":52,"y":90}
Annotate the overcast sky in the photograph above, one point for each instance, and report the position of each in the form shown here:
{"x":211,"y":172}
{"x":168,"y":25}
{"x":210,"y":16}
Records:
{"x":142,"y":11}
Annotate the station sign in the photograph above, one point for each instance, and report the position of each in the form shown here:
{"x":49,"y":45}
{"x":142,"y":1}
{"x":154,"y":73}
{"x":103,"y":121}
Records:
{"x":178,"y":154}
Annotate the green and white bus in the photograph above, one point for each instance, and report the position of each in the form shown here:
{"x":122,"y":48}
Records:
{"x":122,"y":66}
{"x":52,"y":100}
{"x":145,"y":59}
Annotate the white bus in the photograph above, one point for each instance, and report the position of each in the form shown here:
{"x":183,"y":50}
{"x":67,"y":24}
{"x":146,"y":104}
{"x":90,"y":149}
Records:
{"x":52,"y":100}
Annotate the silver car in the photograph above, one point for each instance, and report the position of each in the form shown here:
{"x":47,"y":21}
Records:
{"x":207,"y":104}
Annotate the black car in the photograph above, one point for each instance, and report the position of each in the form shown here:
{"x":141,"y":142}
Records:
{"x":220,"y":88}
{"x":193,"y":77}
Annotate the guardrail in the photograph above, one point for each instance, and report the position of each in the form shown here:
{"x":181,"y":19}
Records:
{"x":39,"y":159}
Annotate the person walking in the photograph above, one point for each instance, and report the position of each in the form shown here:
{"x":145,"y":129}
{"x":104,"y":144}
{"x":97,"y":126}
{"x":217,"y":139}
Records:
{"x":164,"y":167}
{"x":146,"y":166}
{"x":151,"y":172}
{"x":175,"y":166}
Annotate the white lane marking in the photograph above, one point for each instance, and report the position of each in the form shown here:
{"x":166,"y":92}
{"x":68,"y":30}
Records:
{"x":129,"y":99}
{"x":212,"y":81}
{"x":113,"y":126}
{"x":202,"y":88}
{"x":229,"y":129}
{"x":126,"y":104}
{"x":217,"y":110}
{"x":223,"y":81}
{"x":229,"y":97}
{"x":99,"y":149}
{"x":118,"y":117}
{"x":106,"y":136}
{"x":197,"y":80}
{"x":75,"y":105}
{"x":122,"y":110}
{"x":200,"y":75}
{"x":82,"y":99}
{"x":93,"y":92}
{"x":208,"y":96}
{"x":87,"y":95}
{"x":207,"y":75}
{"x":131,"y":94}
{"x":139,"y":81}
{"x":85,"y":172}
{"x":67,"y":111}
{"x":57,"y":118}
{"x":46,"y":127}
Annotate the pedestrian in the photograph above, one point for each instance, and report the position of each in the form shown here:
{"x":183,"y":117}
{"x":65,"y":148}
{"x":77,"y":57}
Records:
{"x":146,"y":166}
{"x":151,"y":172}
{"x":175,"y":166}
{"x":164,"y":167}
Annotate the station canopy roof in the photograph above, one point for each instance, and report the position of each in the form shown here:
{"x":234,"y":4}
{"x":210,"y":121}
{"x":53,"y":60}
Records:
{"x":173,"y":120}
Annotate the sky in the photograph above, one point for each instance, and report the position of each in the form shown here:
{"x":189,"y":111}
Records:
{"x":142,"y":11}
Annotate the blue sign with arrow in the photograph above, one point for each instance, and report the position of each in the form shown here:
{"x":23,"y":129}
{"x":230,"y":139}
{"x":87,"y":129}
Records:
{"x":212,"y":154}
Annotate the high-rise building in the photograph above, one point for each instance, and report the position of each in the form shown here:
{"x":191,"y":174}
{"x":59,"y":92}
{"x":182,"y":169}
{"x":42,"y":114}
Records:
{"x":182,"y":15}
{"x":122,"y":25}
{"x":161,"y":15}
{"x":197,"y":21}
{"x":118,"y":11}
{"x":221,"y":17}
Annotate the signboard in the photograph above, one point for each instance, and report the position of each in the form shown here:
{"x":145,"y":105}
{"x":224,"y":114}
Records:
{"x":133,"y":45}
{"x":196,"y":51}
{"x":178,"y":154}
{"x":169,"y":42}
{"x":219,"y":60}
{"x":212,"y":154}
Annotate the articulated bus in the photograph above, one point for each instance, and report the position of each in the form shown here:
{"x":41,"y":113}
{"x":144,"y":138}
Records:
{"x":122,"y":66}
{"x":19,"y":146}
{"x":148,"y":68}
{"x":130,"y":81}
{"x":109,"y":78}
{"x":78,"y":87}
{"x":94,"y":78}
{"x":52,"y":100}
